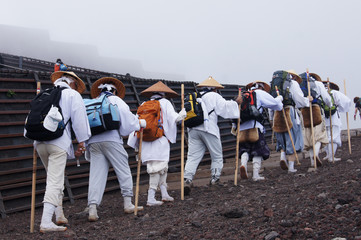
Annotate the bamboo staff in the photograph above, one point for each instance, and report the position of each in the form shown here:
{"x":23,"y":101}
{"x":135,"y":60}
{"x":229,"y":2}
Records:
{"x":288,"y":129}
{"x":33,"y":182}
{"x":237,"y":141}
{"x":348,"y":126}
{"x":311,"y":118}
{"x":182,"y":147}
{"x":138,"y":172}
{"x":329,"y":91}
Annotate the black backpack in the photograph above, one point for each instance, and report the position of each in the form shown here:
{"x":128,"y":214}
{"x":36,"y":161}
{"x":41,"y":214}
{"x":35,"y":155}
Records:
{"x":283,"y":83}
{"x":39,"y":108}
{"x":249,"y":110}
{"x":194,"y":110}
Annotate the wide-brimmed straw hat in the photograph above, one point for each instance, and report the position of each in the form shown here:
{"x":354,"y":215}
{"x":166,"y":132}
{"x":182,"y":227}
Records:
{"x":80,"y":84}
{"x":295,"y":75}
{"x":95,"y":91}
{"x":266,"y":87}
{"x":316,"y":76}
{"x":161,"y":88}
{"x":333,"y":86}
{"x":210,"y":82}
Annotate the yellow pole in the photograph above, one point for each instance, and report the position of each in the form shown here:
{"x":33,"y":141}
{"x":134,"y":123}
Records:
{"x":237,"y":141}
{"x":138,"y":172}
{"x":289,"y":131}
{"x":182,"y":147}
{"x":348,"y":126}
{"x":33,"y":182}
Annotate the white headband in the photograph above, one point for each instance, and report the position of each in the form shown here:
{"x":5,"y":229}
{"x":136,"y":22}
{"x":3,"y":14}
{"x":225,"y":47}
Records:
{"x":64,"y":79}
{"x":108,"y":86}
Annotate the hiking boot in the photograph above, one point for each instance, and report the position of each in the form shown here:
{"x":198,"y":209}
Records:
{"x":188,"y":184}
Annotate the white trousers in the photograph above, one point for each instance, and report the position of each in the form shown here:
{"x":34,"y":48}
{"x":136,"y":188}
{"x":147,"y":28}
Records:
{"x":336,"y":134}
{"x":54,"y":160}
{"x":198,"y":141}
{"x":102,"y":155}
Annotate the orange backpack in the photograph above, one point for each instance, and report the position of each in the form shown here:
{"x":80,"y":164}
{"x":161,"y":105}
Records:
{"x":151,"y":112}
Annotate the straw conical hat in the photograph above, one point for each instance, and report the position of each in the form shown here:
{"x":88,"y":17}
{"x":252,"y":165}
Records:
{"x":210,"y":82}
{"x":316,"y":76}
{"x":159,"y":87}
{"x":333,"y":86}
{"x":95,"y":91}
{"x":267,"y":88}
{"x":80,"y":84}
{"x":294,"y":74}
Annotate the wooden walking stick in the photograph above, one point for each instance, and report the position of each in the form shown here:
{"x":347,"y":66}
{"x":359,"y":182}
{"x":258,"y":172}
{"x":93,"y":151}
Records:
{"x":329,"y":92}
{"x":311,"y":118}
{"x":288,"y":129}
{"x":182,"y":146}
{"x":33,"y":182}
{"x":237,"y":141}
{"x":348,"y":126}
{"x":138,"y":172}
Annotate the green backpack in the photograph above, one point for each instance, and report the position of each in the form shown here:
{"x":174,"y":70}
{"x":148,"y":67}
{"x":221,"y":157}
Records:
{"x":283,"y":84}
{"x":327,"y":108}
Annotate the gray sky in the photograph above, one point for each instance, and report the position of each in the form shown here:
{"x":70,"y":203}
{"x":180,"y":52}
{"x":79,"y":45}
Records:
{"x":235,"y":41}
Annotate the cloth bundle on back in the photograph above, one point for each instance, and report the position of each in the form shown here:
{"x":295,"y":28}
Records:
{"x":55,"y":152}
{"x":207,"y":134}
{"x":293,"y":98}
{"x":253,"y":148}
{"x":106,"y":147}
{"x":159,"y":134}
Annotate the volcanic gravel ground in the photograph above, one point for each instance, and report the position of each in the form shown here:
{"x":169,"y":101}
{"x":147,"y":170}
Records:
{"x":325,"y":204}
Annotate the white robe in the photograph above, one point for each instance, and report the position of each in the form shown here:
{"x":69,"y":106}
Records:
{"x":128,"y":123}
{"x":226,"y":109}
{"x":72,"y":107}
{"x":343,"y":104}
{"x":266,"y":100}
{"x":159,"y":149}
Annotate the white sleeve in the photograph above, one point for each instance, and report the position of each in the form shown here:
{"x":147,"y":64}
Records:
{"x":226,"y":108}
{"x":326,"y":98}
{"x":297,"y":95}
{"x":268,"y":101}
{"x":342,"y":102}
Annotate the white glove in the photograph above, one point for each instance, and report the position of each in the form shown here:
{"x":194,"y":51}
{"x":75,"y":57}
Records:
{"x":280,"y":97}
{"x":142,"y":123}
{"x":181,"y":115}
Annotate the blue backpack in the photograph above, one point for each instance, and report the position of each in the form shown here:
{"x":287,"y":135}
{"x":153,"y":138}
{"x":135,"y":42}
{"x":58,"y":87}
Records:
{"x":102,"y":115}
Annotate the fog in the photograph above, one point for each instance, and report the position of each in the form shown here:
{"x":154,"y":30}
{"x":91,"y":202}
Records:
{"x":234,"y":41}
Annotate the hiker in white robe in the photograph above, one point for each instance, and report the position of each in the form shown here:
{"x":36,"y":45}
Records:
{"x":319,"y":130}
{"x":343,"y":104}
{"x":106,"y":149}
{"x":256,"y":151}
{"x":156,"y":154}
{"x":54,"y":153}
{"x":284,"y":144}
{"x":207,"y":135}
